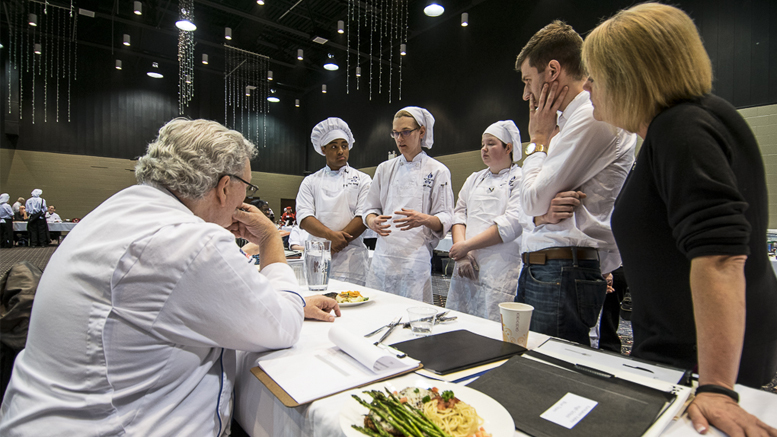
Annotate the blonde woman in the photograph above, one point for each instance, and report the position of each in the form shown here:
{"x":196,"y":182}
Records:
{"x":691,"y":220}
{"x":410,"y":207}
{"x":486,"y":226}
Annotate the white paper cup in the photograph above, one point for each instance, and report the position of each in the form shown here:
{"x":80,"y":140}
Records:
{"x":516,"y":318}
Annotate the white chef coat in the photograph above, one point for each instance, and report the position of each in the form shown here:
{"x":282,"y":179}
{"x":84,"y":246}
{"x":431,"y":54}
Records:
{"x":35,"y":204}
{"x":53,"y":218}
{"x":297,"y":236}
{"x":136,"y":321}
{"x":586,"y":155}
{"x":335,"y":197}
{"x":483,"y":201}
{"x":401,"y":263}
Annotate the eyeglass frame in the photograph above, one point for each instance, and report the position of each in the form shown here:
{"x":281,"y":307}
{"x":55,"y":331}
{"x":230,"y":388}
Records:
{"x":250,"y":186}
{"x":404,"y":133}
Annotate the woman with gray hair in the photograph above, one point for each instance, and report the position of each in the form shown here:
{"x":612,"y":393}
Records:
{"x":140,"y":311}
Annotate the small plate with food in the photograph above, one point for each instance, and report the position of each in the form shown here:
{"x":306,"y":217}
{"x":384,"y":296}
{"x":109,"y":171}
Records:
{"x":349,"y":298}
{"x":455,"y":410}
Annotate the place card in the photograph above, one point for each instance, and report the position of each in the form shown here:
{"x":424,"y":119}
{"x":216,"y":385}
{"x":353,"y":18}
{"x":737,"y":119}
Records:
{"x":569,"y":410}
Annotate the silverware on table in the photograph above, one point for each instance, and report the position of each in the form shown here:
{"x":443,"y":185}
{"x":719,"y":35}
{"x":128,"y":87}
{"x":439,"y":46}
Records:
{"x":391,"y":327}
{"x":406,"y":325}
{"x":396,"y":320}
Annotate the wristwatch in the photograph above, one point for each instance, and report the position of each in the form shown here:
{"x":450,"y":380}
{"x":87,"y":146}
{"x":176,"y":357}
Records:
{"x":532,"y":148}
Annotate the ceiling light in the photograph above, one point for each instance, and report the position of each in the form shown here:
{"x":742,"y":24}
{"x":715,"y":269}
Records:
{"x":228,"y":33}
{"x":154,"y":72}
{"x":273,"y":99}
{"x":188,"y":79}
{"x":138,"y":8}
{"x":126,"y":40}
{"x":186,"y":25}
{"x":1,"y":45}
{"x":205,"y":58}
{"x":434,"y":10}
{"x":269,"y":74}
{"x":340,"y":26}
{"x":323,"y":89}
{"x":299,"y":54}
{"x":248,"y":91}
{"x":32,"y":19}
{"x":331,"y":65}
{"x":260,"y":2}
{"x":37,"y":49}
{"x":296,"y":103}
{"x":358,"y":71}
{"x":118,"y":64}
{"x":403,"y":49}
{"x":464,"y":19}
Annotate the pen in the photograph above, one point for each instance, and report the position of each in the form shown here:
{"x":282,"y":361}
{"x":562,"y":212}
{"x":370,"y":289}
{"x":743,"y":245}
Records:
{"x":638,"y":368}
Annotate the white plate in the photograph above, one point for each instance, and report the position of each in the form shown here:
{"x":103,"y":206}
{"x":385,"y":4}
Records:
{"x":496,"y":420}
{"x":353,"y":304}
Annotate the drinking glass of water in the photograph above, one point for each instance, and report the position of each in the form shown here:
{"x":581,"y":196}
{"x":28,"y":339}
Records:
{"x":318,"y":257}
{"x":421,"y":320}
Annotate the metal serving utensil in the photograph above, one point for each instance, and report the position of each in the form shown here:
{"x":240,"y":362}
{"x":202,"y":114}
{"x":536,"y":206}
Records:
{"x":393,"y":325}
{"x":396,"y":320}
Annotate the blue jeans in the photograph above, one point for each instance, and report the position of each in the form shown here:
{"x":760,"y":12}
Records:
{"x":567,"y":297}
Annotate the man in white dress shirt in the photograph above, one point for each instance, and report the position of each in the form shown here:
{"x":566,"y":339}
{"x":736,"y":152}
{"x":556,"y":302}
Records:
{"x":574,"y":170}
{"x":330,"y":202}
{"x":138,"y":314}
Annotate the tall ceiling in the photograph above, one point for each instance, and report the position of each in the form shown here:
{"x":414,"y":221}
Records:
{"x":276,"y":29}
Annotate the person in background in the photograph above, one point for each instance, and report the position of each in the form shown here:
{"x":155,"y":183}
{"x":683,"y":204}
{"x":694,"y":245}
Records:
{"x":486,"y":228}
{"x":21,"y":215}
{"x":21,"y":238}
{"x":691,"y":220}
{"x":331,"y":201}
{"x":297,"y":238}
{"x":134,"y":332}
{"x":19,"y":202}
{"x":53,"y":217}
{"x":288,"y":218}
{"x":573,"y":171}
{"x":6,"y":221}
{"x":410,"y":207}
{"x":36,"y":222}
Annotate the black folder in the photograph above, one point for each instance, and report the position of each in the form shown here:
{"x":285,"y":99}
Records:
{"x":528,"y":388}
{"x":457,"y":350}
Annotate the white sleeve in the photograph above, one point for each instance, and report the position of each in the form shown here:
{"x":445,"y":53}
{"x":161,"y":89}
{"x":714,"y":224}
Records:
{"x":509,"y":223}
{"x":441,"y":205}
{"x":204,"y":293}
{"x":575,"y":155}
{"x":364,"y":191}
{"x":460,"y":212}
{"x":373,"y":201}
{"x":306,"y":201}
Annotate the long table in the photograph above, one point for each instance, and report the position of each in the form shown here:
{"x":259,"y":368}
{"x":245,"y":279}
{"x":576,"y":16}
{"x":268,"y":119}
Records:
{"x":54,"y":227}
{"x":260,"y":413}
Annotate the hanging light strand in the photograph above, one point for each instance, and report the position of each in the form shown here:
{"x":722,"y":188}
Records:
{"x":372,"y":34}
{"x":185,"y":57}
{"x":349,"y":15}
{"x":246,"y":88}
{"x":381,"y":29}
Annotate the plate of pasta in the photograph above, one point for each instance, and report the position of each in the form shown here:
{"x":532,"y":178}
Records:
{"x":453,"y":410}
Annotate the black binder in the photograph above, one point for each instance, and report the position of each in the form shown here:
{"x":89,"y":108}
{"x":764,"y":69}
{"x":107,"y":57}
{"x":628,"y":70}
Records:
{"x":457,"y":350}
{"x":528,"y":388}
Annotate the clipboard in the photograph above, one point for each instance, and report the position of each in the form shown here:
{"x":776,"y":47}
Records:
{"x":288,"y":401}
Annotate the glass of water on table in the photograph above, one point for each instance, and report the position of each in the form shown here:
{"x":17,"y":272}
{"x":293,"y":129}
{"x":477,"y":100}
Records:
{"x":318,"y":258}
{"x":421,"y":320}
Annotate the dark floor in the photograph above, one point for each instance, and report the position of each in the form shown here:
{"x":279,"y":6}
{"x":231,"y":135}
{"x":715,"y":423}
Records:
{"x":39,"y":256}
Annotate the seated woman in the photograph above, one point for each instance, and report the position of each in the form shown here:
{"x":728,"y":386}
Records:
{"x":690,"y":222}
{"x":486,"y":226}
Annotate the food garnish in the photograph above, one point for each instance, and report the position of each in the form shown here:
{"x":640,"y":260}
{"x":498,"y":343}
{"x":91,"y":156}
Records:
{"x":350,"y":297}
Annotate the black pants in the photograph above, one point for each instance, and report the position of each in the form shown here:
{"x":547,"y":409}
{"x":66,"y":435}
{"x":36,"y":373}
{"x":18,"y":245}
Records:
{"x":6,"y":233}
{"x":39,"y":232}
{"x":608,"y":328}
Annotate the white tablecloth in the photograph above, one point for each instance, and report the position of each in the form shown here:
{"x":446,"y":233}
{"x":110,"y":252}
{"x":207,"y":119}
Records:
{"x":54,"y":227}
{"x":260,"y":413}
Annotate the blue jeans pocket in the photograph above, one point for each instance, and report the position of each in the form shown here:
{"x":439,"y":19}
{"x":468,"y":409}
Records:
{"x":590,"y":298}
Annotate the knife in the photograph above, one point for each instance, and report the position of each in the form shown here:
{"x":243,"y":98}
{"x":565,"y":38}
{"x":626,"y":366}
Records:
{"x":406,"y":325}
{"x":391,"y":327}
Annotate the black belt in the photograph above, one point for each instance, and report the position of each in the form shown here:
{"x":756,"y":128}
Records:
{"x":540,"y":256}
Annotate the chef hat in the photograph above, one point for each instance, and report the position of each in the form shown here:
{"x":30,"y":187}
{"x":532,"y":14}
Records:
{"x":4,"y":198}
{"x":423,"y":118}
{"x":507,"y":132}
{"x":330,"y":129}
{"x":36,"y":192}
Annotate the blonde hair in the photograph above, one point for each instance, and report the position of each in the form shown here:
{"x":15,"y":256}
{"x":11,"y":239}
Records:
{"x":190,"y":156}
{"x":645,"y":59}
{"x":403,"y":113}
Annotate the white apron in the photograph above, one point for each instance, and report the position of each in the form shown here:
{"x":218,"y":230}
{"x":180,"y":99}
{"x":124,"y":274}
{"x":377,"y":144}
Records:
{"x":402,"y":262}
{"x":336,"y":199}
{"x":500,"y":264}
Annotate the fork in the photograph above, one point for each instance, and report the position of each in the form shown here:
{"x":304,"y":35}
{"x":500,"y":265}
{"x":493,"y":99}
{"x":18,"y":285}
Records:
{"x":396,"y":320}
